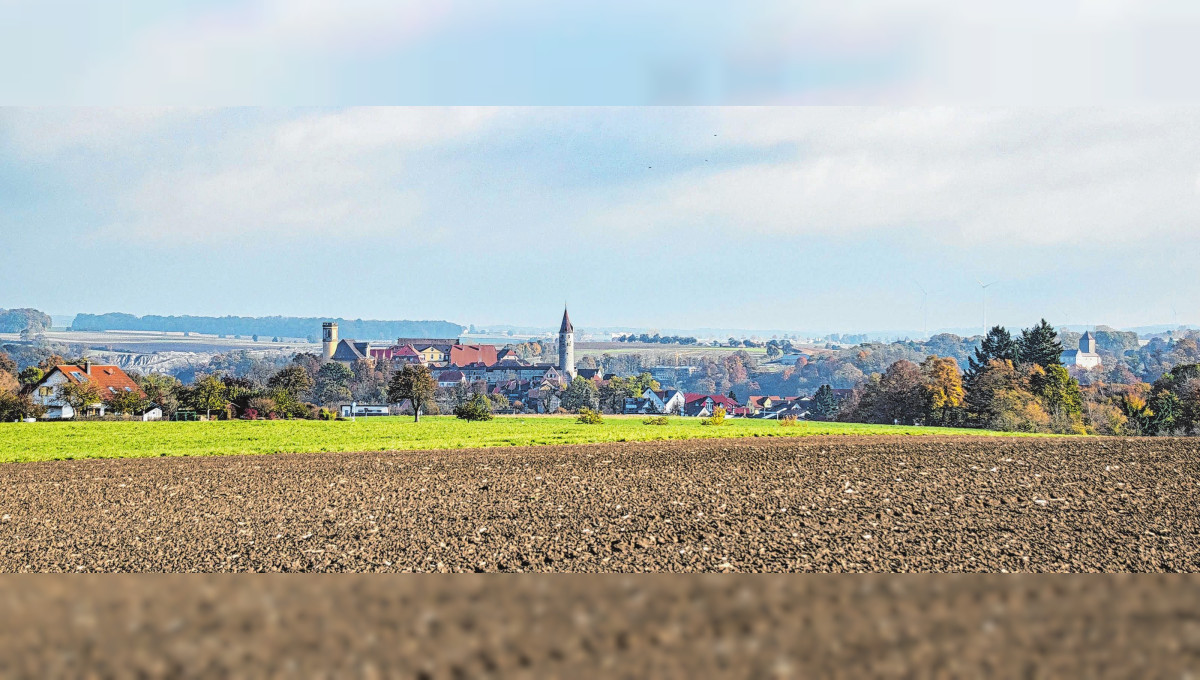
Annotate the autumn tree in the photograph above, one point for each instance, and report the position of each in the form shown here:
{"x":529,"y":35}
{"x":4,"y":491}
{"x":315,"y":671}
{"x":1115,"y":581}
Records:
{"x":943,"y":387}
{"x":293,"y":380}
{"x":79,"y":396}
{"x":476,"y":408}
{"x":1060,"y":397}
{"x":161,"y":390}
{"x":14,"y":407}
{"x":32,"y":375}
{"x":129,"y":403}
{"x":333,"y":383}
{"x":614,"y":391}
{"x":414,"y":383}
{"x":895,"y":396}
{"x":9,"y":383}
{"x":209,"y":393}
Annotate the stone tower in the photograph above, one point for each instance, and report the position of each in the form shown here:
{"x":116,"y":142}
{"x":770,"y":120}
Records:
{"x":329,"y":340}
{"x":566,"y":346}
{"x":1087,"y":343}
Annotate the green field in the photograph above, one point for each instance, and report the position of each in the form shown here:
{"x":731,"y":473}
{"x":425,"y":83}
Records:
{"x":72,"y":440}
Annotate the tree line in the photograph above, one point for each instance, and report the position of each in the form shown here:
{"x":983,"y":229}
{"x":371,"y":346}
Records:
{"x":1019,"y":384}
{"x":273,"y":326}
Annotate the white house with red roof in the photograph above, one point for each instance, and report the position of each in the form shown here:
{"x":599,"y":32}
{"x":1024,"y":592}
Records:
{"x":703,"y":405}
{"x":108,"y":381}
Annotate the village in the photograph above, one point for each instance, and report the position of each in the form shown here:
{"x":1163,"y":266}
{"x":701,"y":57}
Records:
{"x":541,"y":388}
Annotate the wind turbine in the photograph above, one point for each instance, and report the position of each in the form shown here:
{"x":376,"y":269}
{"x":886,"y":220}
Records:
{"x":983,"y":288}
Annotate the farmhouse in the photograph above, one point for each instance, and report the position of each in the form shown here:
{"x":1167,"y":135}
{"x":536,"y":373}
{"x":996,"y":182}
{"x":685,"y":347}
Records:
{"x":108,"y":381}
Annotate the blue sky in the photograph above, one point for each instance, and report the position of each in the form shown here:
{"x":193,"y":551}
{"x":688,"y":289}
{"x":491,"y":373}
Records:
{"x":808,"y":218}
{"x":598,"y":52}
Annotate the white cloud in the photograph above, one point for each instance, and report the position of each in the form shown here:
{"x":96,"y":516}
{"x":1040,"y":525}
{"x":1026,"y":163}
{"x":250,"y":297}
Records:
{"x":716,"y":51}
{"x":325,"y":175}
{"x":962,"y":177}
{"x":46,"y":132}
{"x":361,"y":129}
{"x":966,"y":178}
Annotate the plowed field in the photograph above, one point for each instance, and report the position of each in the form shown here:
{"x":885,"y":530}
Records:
{"x":888,"y":504}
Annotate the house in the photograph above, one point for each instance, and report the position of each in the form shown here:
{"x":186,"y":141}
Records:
{"x":543,"y":399}
{"x":466,"y":355}
{"x":349,"y":351}
{"x":365,"y":410}
{"x":665,"y":401}
{"x":433,"y":354}
{"x":796,"y":407}
{"x":638,"y":406}
{"x":762,"y":403}
{"x":1084,"y":357}
{"x":450,"y":378}
{"x":703,"y":405}
{"x":108,"y":380}
{"x":399,"y":355}
{"x":590,"y":373}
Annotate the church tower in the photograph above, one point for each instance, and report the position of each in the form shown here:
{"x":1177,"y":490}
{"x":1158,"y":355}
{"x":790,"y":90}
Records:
{"x":566,"y":346}
{"x":329,"y":339}
{"x":1087,"y":343}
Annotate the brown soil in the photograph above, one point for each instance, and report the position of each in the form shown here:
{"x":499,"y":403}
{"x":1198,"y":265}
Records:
{"x":572,"y":626}
{"x":822,"y":504}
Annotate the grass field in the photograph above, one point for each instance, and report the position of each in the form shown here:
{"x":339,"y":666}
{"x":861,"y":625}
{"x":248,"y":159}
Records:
{"x":72,"y":440}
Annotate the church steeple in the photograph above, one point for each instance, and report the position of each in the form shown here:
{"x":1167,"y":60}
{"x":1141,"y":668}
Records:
{"x":566,"y":345}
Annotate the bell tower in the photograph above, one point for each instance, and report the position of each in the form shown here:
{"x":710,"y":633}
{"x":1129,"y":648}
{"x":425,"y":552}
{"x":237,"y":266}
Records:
{"x":329,"y":340}
{"x":566,"y":346}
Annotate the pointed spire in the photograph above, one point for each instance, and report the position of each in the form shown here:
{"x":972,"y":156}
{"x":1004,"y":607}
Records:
{"x":566,"y":326}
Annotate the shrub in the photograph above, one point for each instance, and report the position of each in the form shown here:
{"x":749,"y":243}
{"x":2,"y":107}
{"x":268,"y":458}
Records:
{"x":589,"y":416}
{"x":250,"y":414}
{"x":788,"y":421}
{"x":264,"y":406}
{"x":478,"y":408}
{"x":659,"y":420}
{"x":717,"y":417}
{"x":18,"y":407}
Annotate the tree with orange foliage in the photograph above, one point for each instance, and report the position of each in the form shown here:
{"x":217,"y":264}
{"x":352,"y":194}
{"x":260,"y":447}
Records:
{"x":943,"y":388}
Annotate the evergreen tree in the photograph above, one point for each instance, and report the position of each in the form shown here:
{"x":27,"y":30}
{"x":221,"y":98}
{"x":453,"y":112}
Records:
{"x":998,"y":344}
{"x":825,"y":403}
{"x":1039,"y":345}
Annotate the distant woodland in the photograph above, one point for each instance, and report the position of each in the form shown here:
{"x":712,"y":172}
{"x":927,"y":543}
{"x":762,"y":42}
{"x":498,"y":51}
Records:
{"x":275,"y":326}
{"x":18,"y":320}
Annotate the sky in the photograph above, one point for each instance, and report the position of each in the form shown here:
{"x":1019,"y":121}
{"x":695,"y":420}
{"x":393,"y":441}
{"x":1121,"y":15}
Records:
{"x":598,"y":52}
{"x":785,"y":164}
{"x":826,"y":219}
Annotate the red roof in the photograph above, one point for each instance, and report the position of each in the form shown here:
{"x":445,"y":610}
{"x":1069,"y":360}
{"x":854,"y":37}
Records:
{"x":109,"y":380}
{"x":464,"y":355}
{"x":718,"y":399}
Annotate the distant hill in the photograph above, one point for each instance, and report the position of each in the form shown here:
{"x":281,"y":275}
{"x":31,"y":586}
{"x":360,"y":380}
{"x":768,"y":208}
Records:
{"x":281,"y":326}
{"x":17,"y":320}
